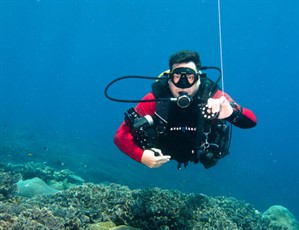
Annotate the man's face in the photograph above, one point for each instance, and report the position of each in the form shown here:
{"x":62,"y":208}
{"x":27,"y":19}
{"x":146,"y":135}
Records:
{"x":175,"y":89}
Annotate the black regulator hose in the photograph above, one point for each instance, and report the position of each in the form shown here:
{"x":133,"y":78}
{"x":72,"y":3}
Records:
{"x":216,"y":68}
{"x":132,"y":101}
{"x":151,"y":78}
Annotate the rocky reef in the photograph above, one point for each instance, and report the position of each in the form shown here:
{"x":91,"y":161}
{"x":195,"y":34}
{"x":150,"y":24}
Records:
{"x":92,"y":206}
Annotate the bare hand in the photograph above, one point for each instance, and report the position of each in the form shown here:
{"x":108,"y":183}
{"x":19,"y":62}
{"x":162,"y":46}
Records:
{"x":151,"y":160}
{"x":220,"y":105}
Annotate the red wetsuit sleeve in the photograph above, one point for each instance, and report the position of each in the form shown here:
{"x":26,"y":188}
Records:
{"x":241,"y":117}
{"x":123,"y":138}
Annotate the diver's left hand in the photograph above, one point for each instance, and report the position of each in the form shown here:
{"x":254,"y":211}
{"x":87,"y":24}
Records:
{"x":220,"y":105}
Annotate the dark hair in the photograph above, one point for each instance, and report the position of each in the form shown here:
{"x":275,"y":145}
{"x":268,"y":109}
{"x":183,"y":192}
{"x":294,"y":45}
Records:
{"x":185,"y":56}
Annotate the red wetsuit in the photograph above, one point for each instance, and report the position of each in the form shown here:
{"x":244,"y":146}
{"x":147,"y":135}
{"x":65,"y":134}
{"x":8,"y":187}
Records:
{"x":241,"y":117}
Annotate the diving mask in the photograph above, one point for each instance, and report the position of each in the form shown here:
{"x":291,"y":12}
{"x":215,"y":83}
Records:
{"x":183,"y":77}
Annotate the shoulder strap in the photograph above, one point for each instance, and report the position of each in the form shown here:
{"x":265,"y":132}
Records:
{"x":160,"y":88}
{"x":207,"y":89}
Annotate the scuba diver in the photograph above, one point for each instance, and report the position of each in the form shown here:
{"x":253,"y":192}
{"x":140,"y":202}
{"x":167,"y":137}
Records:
{"x":192,"y":125}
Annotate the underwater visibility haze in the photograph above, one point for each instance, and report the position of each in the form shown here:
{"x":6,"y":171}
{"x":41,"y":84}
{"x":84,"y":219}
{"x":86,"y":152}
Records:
{"x":57,"y":57}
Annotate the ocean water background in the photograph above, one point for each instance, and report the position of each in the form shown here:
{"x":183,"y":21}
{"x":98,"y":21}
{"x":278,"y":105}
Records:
{"x":58,"y":56}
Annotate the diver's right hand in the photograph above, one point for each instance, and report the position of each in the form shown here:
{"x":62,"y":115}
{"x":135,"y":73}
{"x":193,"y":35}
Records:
{"x":153,"y":158}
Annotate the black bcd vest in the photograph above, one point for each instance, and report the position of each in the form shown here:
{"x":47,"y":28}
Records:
{"x":183,"y":133}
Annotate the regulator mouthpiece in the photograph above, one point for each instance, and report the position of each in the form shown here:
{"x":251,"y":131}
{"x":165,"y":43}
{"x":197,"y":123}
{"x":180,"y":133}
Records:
{"x":184,"y":100}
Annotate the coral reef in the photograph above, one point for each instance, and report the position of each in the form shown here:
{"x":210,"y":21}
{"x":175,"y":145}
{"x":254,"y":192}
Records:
{"x":113,"y":206}
{"x":81,"y":206}
{"x":282,"y":216}
{"x":8,"y":180}
{"x":60,"y":180}
{"x":109,"y":225}
{"x":34,"y":187}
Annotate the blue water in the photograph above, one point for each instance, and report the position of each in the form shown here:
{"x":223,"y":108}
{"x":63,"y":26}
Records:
{"x":58,"y":56}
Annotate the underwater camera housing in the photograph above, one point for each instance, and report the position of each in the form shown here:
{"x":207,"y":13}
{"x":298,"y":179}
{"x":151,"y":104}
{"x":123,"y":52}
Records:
{"x":142,"y":128}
